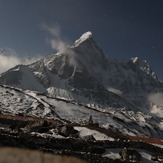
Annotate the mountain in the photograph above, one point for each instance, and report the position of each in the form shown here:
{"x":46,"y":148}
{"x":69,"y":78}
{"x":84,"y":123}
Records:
{"x":68,"y":75}
{"x":82,"y":82}
{"x":6,"y":52}
{"x":84,"y":74}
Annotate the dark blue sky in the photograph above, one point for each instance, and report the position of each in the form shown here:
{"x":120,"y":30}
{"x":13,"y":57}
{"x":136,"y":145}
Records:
{"x":123,"y":28}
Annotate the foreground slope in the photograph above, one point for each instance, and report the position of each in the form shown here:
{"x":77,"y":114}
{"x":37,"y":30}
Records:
{"x":19,"y":102}
{"x":15,"y":101}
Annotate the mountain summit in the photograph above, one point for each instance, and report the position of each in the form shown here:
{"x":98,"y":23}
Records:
{"x":144,"y":66}
{"x":84,"y":37}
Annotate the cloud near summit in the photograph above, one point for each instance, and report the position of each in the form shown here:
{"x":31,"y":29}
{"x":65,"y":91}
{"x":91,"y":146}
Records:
{"x":9,"y":61}
{"x":56,"y":41}
{"x":157,"y":103}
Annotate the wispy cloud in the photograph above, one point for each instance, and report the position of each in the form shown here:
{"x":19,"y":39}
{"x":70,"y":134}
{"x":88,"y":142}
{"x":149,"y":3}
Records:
{"x":10,"y":59}
{"x":156,"y":98}
{"x":7,"y":62}
{"x":157,"y":103}
{"x":56,"y":41}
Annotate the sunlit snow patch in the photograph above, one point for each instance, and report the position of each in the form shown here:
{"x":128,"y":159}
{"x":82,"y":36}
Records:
{"x":83,"y":131}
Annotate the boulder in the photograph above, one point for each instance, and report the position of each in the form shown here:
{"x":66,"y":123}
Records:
{"x":131,"y":155}
{"x":89,"y":138}
{"x":67,"y":131}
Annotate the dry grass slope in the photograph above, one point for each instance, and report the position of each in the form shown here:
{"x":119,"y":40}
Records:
{"x":16,"y":155}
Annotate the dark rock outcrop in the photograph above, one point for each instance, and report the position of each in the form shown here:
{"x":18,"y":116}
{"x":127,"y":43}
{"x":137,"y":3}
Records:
{"x":131,"y":155}
{"x":68,"y":131}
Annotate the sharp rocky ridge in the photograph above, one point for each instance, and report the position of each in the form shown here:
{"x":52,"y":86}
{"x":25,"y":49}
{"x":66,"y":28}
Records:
{"x":83,"y":74}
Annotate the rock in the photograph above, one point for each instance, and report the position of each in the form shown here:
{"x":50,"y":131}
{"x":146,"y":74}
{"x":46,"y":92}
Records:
{"x":90,"y":120}
{"x":98,"y":149}
{"x":130,"y":155}
{"x":73,"y":135}
{"x":89,"y":138}
{"x":158,"y":158}
{"x":67,"y":130}
{"x":40,"y":126}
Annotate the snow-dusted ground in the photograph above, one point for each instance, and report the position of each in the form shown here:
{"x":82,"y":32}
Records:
{"x":14,"y":101}
{"x":146,"y":156}
{"x":127,"y":122}
{"x":51,"y":133}
{"x":113,"y":153}
{"x":83,"y":131}
{"x":157,"y":145}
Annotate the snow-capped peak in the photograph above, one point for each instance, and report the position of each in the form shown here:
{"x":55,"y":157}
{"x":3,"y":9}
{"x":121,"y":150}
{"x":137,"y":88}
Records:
{"x":85,"y":36}
{"x":140,"y":63}
{"x":5,"y":52}
{"x":134,"y":60}
{"x":144,"y":66}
